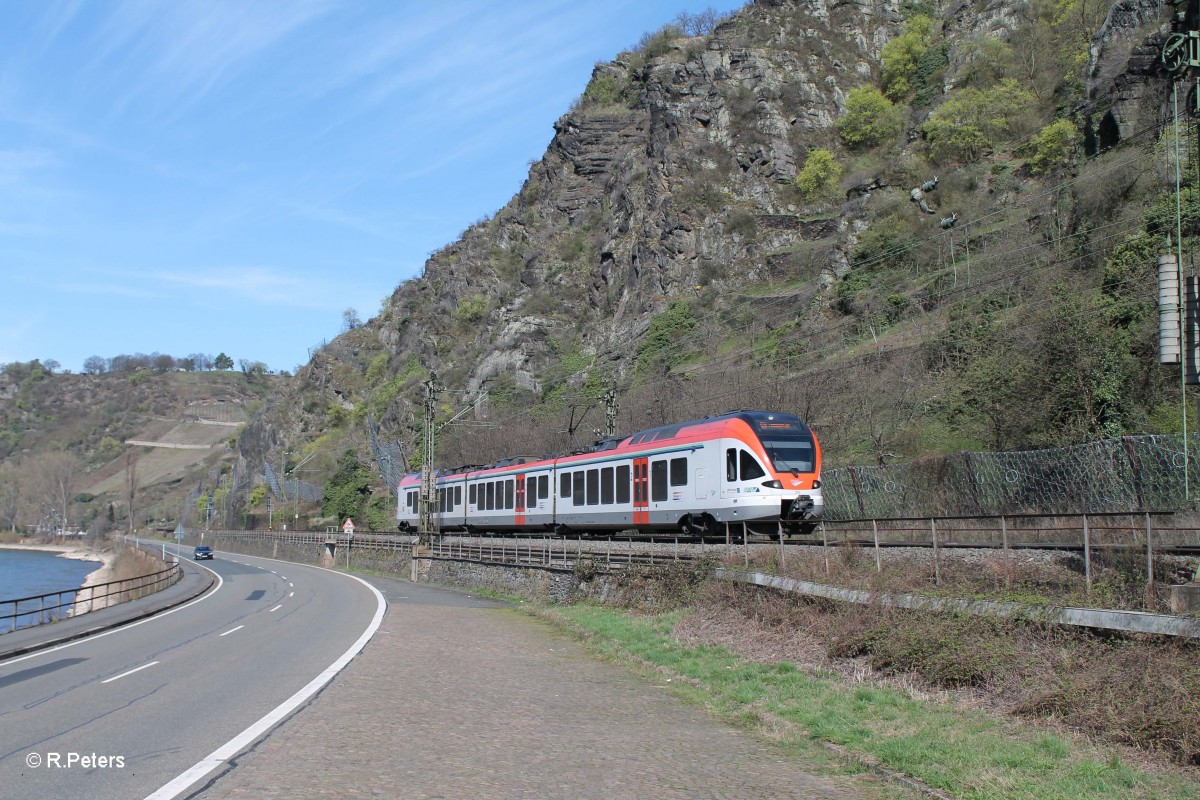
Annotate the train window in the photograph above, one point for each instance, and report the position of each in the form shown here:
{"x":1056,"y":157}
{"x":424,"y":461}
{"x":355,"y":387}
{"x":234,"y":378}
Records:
{"x":508,"y":493}
{"x":564,"y":485}
{"x":658,"y":481}
{"x":606,"y":486}
{"x":679,"y":472}
{"x":593,"y":487}
{"x":471,"y":494}
{"x":489,"y":501}
{"x":750,"y":468}
{"x":543,"y":487}
{"x":530,"y":491}
{"x":457,"y":495}
{"x":577,"y":480}
{"x":623,"y":483}
{"x":731,"y":464}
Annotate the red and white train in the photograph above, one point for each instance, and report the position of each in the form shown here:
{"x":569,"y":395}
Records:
{"x":760,"y":468}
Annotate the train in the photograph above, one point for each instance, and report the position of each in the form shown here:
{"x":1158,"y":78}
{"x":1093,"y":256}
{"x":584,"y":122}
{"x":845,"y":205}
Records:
{"x":753,"y":471}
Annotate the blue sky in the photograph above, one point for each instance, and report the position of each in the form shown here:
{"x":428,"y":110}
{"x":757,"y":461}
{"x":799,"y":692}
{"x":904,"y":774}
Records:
{"x":205,"y":176}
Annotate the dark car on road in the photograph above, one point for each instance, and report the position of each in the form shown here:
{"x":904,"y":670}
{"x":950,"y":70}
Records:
{"x":203,"y":551}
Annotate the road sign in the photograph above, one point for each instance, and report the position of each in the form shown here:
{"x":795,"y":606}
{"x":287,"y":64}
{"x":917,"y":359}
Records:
{"x":348,"y":526}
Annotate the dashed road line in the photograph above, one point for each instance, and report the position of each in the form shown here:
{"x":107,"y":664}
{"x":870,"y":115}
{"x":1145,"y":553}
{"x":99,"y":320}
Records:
{"x":129,"y":672}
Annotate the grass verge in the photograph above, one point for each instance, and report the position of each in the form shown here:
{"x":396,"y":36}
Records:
{"x":963,"y":753}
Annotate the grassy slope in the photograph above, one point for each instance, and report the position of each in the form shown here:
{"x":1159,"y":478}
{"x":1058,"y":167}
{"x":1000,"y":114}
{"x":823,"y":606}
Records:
{"x":966,"y":753}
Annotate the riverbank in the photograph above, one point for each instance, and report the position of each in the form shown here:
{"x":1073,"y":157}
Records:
{"x":80,"y":552}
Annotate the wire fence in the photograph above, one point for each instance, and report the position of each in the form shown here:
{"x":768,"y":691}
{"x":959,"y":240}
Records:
{"x":1132,"y":473}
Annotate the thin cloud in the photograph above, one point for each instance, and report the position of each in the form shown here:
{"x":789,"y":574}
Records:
{"x":181,"y":50}
{"x":268,"y":286}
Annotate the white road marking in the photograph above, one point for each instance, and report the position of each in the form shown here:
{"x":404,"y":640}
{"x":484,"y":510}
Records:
{"x":276,"y":608}
{"x":231,"y":630}
{"x":290,"y":594}
{"x":130,"y":672}
{"x":291,"y":585}
{"x":222,"y":754}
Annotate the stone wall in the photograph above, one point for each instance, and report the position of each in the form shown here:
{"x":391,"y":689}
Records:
{"x":377,"y":559}
{"x":545,"y":584}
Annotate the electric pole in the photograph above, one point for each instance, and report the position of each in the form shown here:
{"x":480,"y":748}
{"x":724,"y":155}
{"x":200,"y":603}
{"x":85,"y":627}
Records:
{"x":610,"y":412}
{"x":427,"y":526}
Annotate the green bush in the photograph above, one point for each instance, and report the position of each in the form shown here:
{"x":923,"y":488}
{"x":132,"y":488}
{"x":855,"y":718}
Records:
{"x":660,"y":344}
{"x":973,"y":121}
{"x":869,"y":120}
{"x":472,"y":309}
{"x":606,"y":91}
{"x":820,"y":176}
{"x":901,"y":56}
{"x":1053,"y":147}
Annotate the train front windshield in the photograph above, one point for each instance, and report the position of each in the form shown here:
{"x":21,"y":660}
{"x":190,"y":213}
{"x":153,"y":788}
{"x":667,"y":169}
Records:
{"x":789,"y":444}
{"x":790,"y":455}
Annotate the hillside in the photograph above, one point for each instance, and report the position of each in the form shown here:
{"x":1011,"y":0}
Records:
{"x":925,"y":227}
{"x":161,"y":433}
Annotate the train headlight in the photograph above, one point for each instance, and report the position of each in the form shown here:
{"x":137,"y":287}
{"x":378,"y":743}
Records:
{"x":773,"y":484}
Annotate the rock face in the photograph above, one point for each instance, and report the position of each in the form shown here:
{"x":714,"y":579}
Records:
{"x":673,"y":177}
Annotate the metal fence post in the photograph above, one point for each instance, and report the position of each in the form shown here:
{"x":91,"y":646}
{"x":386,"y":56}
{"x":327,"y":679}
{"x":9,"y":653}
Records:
{"x":782,"y":556}
{"x":1087,"y":554}
{"x":1149,"y":565}
{"x":745,"y":545}
{"x":875,"y":531}
{"x":937,"y":563}
{"x":825,"y":546}
{"x":728,"y":544}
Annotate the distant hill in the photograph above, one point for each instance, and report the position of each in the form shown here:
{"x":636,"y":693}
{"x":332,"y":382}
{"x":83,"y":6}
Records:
{"x":168,"y":431}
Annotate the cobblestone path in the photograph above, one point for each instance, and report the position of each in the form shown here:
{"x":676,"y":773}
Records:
{"x":460,"y":699}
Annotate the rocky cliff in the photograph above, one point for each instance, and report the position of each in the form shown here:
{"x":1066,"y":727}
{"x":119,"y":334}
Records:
{"x":662,"y":245}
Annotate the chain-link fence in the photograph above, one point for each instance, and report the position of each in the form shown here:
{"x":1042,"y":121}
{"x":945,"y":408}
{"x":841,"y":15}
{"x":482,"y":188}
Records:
{"x":1132,"y":473}
{"x":388,"y":457}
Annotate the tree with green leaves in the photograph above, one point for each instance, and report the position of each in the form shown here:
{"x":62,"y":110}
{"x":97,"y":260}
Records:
{"x":1053,"y":147}
{"x":818,"y":180}
{"x":901,"y":56}
{"x":870,"y":119}
{"x":222,"y":362}
{"x":974,"y":121}
{"x":348,"y":490}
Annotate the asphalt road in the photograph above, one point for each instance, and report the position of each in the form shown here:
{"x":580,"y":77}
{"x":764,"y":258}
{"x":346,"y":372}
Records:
{"x":129,"y":713}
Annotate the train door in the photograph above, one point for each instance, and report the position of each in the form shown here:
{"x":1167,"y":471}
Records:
{"x":641,"y":492}
{"x":520,"y":510}
{"x":701,"y":483}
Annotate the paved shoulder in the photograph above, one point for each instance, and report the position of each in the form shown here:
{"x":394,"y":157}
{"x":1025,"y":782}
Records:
{"x":463,"y":699}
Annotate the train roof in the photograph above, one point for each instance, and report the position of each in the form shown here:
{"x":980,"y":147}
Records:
{"x":759,"y":422}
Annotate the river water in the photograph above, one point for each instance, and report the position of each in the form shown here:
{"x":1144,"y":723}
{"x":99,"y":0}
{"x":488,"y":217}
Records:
{"x":29,"y":572}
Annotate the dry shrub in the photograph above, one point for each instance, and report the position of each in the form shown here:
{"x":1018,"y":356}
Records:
{"x":1144,"y":693}
{"x":1140,"y":691}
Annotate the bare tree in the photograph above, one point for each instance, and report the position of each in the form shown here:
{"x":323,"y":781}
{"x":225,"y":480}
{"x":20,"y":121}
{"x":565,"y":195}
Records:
{"x":53,"y":477}
{"x":95,"y":365}
{"x":131,"y":486}
{"x":12,"y":497}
